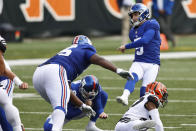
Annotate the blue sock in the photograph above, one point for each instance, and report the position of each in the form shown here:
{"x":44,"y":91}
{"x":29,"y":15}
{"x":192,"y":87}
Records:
{"x":142,"y":91}
{"x":47,"y":125}
{"x":130,"y":85}
{"x":3,"y":121}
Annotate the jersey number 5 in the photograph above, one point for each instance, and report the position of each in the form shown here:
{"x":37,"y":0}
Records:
{"x":67,"y":51}
{"x":140,"y":50}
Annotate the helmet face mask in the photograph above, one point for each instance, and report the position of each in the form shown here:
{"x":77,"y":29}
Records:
{"x":88,"y":95}
{"x":89,"y":87}
{"x":81,"y":39}
{"x":143,"y":13}
{"x":160,"y":91}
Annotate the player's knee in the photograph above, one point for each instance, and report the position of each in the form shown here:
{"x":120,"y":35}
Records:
{"x":60,"y":108}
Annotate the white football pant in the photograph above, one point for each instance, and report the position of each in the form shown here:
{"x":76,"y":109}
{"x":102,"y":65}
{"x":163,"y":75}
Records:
{"x":135,"y":125}
{"x":146,"y":71}
{"x":12,"y":113}
{"x":51,"y":83}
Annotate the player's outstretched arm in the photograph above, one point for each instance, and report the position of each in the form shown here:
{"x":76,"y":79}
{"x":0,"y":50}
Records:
{"x":15,"y":79}
{"x":103,"y":115}
{"x":98,"y":60}
{"x":83,"y":107}
{"x":154,"y":113}
{"x":122,"y":48}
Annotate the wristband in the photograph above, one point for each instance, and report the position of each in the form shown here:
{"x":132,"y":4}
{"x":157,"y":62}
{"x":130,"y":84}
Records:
{"x":17,"y":81}
{"x":118,"y":70}
{"x":82,"y":106}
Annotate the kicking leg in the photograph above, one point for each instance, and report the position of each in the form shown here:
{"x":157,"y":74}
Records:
{"x":129,"y":88}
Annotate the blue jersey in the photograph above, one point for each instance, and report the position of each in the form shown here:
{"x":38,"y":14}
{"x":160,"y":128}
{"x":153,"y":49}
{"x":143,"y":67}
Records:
{"x":98,"y":104}
{"x":146,"y":41}
{"x":75,"y":59}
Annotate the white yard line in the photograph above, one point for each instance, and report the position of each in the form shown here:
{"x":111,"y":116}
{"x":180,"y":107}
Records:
{"x":41,"y":129}
{"x":138,"y":88}
{"x":33,"y":96}
{"x":159,"y":78}
{"x":114,"y":114}
{"x":164,"y":55}
{"x":188,"y":124}
{"x":170,"y":101}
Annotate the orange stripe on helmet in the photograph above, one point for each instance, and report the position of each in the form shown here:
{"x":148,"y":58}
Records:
{"x":94,"y":84}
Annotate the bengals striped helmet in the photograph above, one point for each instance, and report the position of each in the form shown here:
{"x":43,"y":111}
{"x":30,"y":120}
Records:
{"x":160,"y":90}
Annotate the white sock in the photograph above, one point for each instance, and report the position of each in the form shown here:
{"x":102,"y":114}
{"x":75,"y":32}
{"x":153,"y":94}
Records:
{"x":126,"y":94}
{"x":17,"y":128}
{"x":91,"y":123}
{"x":58,"y":117}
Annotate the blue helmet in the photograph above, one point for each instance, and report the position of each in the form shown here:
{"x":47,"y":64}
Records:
{"x":143,"y":13}
{"x":89,"y":87}
{"x":81,"y":39}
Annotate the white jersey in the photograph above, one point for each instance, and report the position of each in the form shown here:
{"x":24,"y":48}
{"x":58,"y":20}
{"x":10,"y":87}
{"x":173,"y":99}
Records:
{"x":138,"y":111}
{"x":7,"y":84}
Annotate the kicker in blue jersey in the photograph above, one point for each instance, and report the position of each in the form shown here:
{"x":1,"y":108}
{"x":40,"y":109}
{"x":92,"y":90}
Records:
{"x":145,"y":39}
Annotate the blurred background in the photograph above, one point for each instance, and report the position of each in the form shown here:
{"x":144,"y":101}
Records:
{"x":38,"y":29}
{"x":53,"y":18}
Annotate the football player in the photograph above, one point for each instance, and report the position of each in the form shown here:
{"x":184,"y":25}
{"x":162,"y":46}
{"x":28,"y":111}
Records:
{"x":89,"y":91}
{"x":51,"y":78}
{"x":144,"y":114}
{"x":145,"y":37}
{"x":8,"y":112}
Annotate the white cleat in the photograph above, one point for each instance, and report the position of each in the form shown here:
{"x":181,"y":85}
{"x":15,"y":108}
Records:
{"x":122,"y":100}
{"x":93,"y":128}
{"x":145,"y":125}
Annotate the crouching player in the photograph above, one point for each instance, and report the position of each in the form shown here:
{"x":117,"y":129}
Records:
{"x":144,"y":114}
{"x":89,"y":91}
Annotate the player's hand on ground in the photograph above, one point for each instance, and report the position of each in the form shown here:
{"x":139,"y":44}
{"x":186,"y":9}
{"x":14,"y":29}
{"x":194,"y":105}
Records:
{"x":103,"y":115}
{"x":87,"y":110}
{"x":122,"y":48}
{"x":24,"y":85}
{"x":125,"y":74}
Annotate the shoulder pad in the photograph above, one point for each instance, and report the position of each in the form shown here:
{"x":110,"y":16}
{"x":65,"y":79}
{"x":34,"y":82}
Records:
{"x":153,"y":24}
{"x":154,"y":100}
{"x":2,"y":45}
{"x":87,"y":46}
{"x":75,"y":85}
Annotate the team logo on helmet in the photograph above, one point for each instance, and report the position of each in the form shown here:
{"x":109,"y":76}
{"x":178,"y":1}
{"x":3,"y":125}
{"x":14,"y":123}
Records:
{"x":143,"y":11}
{"x":158,"y":89}
{"x":81,"y":39}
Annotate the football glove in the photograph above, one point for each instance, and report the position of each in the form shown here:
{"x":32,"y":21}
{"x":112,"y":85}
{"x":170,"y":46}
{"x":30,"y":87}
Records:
{"x":87,"y":110}
{"x":125,"y":74}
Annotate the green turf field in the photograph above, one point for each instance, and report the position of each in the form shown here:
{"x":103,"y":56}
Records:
{"x":178,"y":75}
